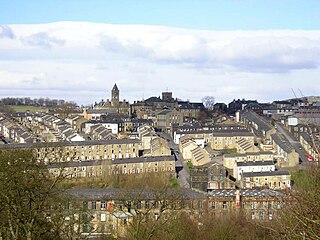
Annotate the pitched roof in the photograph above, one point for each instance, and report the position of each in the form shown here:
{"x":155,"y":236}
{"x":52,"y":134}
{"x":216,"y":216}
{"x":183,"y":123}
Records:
{"x":255,"y":163}
{"x":115,"y":87}
{"x":143,"y":194}
{"x":265,"y":174}
{"x":246,"y":193}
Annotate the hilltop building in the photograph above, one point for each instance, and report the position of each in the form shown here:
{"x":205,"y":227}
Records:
{"x":115,"y":105}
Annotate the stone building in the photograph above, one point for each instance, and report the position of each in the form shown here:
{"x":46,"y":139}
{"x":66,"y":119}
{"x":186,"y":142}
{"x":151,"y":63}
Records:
{"x":254,"y":204}
{"x":192,"y":152}
{"x":211,"y":176}
{"x":230,"y":160}
{"x":108,"y":167}
{"x":268,"y":179}
{"x":311,"y":145}
{"x":167,"y":118}
{"x":121,"y":107}
{"x":112,"y":210}
{"x":82,"y":151}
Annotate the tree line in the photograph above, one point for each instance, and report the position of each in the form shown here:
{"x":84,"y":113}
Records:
{"x":27,"y":101}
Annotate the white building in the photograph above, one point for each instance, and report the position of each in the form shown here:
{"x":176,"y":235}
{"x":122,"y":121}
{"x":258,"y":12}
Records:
{"x":249,"y":167}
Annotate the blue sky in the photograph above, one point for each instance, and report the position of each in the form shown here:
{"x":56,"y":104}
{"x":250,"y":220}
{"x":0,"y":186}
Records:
{"x":195,"y":14}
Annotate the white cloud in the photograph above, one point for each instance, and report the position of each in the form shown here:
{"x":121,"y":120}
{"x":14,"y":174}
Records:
{"x":42,"y":39}
{"x":82,"y":58}
{"x":6,"y":32}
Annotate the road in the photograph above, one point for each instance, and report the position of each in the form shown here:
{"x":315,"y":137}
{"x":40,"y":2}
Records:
{"x":3,"y":139}
{"x":294,"y":143}
{"x":183,"y":175}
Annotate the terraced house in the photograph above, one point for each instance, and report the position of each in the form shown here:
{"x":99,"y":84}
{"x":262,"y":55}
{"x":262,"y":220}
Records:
{"x":113,"y":211}
{"x":82,"y":151}
{"x":108,"y":167}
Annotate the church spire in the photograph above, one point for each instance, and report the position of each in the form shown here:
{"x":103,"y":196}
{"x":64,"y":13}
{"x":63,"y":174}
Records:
{"x":115,"y":95}
{"x":115,"y":87}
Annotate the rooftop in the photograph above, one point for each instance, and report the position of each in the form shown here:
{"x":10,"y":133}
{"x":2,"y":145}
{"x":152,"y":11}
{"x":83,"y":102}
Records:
{"x":265,"y":174}
{"x":142,"y":194}
{"x":62,"y":144}
{"x":246,"y":193}
{"x":115,"y":161}
{"x":255,"y":163}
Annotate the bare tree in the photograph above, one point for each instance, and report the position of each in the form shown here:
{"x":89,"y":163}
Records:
{"x":208,"y":102}
{"x":300,"y":217}
{"x":33,"y":200}
{"x":152,"y":210}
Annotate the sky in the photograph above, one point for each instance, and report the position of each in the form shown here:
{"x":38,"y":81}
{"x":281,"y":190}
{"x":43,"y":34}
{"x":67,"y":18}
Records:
{"x":76,"y":50}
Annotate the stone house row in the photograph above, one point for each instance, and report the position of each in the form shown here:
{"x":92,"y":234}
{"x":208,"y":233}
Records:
{"x":14,"y":132}
{"x":285,"y":154}
{"x":50,"y":128}
{"x":257,"y":170}
{"x":117,"y":126}
{"x":311,"y":145}
{"x":112,"y":210}
{"x":241,"y":140}
{"x":94,"y":150}
{"x":107,"y":167}
{"x":270,"y":139}
{"x":259,"y":126}
{"x":244,"y":175}
{"x":192,"y":152}
{"x":82,"y":151}
{"x":99,"y":132}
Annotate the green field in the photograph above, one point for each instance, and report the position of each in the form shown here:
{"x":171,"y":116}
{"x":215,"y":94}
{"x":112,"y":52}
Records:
{"x":29,"y":108}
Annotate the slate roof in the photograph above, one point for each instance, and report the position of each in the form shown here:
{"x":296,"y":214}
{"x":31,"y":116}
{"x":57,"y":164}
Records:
{"x":265,"y":174}
{"x":246,"y":193}
{"x":262,"y":124}
{"x":255,"y":163}
{"x":100,"y":111}
{"x":65,"y":143}
{"x":248,"y":154}
{"x":143,"y":194}
{"x":115,"y":161}
{"x":284,"y":145}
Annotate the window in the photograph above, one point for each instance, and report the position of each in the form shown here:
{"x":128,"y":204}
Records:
{"x":224,"y":204}
{"x":252,"y":205}
{"x":93,"y":205}
{"x":103,"y":205}
{"x":102,"y":228}
{"x":138,"y":204}
{"x":147,"y":204}
{"x":156,"y":204}
{"x":85,"y":228}
{"x":213,"y":205}
{"x":261,"y":215}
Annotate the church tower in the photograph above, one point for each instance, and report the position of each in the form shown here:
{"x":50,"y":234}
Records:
{"x":115,"y":96}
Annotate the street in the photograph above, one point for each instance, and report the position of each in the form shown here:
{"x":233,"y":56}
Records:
{"x":183,"y":175}
{"x":294,"y":143}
